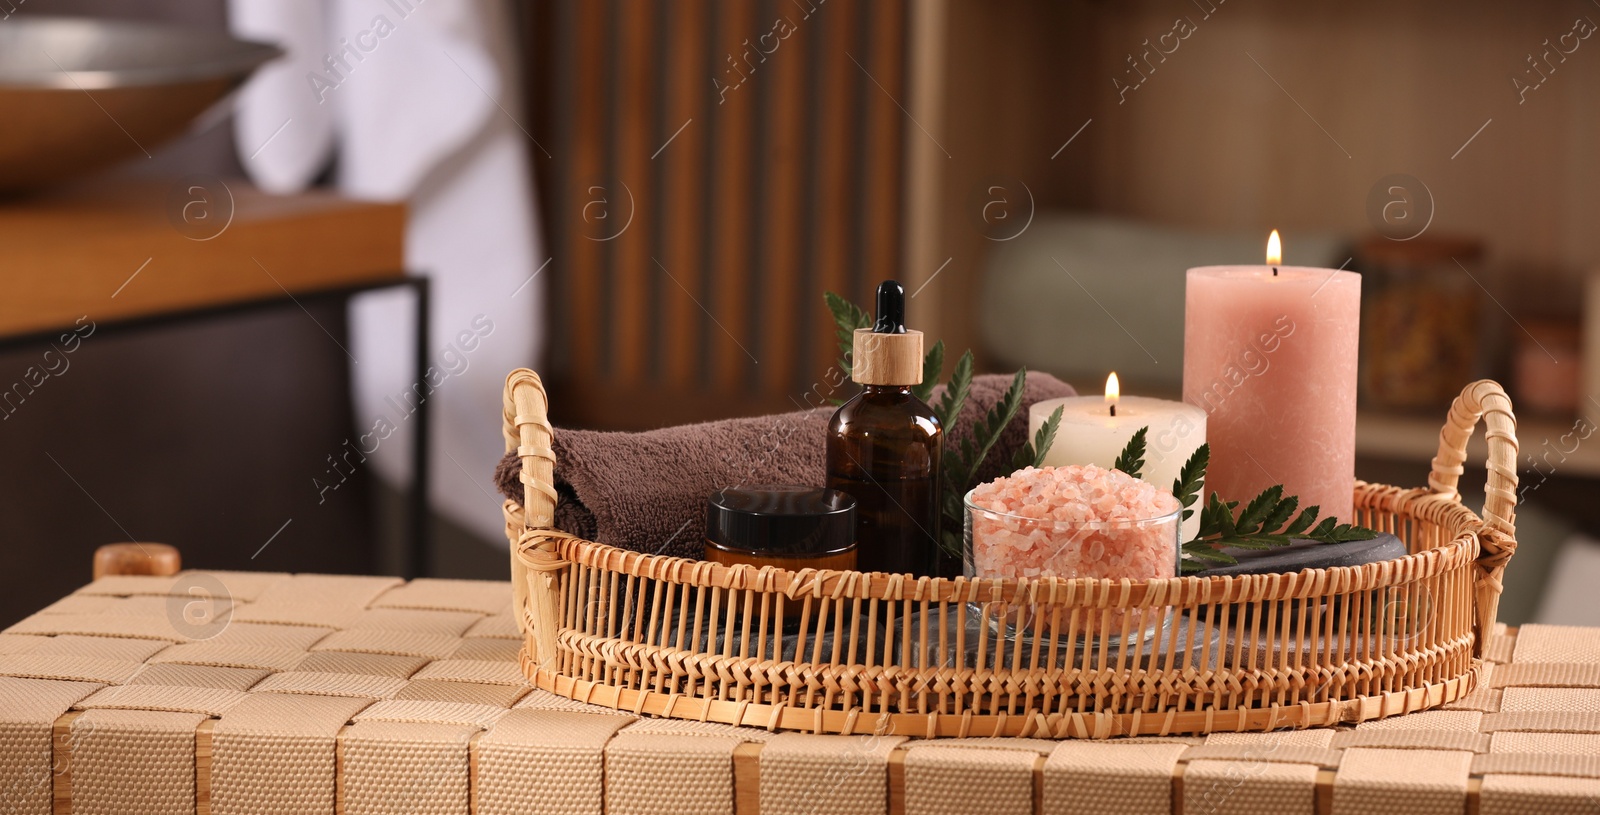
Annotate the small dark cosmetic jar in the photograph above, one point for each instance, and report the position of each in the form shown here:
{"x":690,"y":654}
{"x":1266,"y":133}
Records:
{"x":784,"y":527}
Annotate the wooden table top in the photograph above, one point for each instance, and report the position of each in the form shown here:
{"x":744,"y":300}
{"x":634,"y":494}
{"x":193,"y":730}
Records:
{"x":128,"y":249}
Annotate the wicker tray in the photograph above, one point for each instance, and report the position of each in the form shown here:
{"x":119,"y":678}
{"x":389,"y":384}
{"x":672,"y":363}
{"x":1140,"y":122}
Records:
{"x":914,"y":656}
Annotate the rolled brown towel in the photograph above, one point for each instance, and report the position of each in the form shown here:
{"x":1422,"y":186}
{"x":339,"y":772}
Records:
{"x":647,"y":491}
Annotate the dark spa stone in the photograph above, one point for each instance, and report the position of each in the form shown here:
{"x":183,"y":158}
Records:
{"x":1305,"y":554}
{"x":1301,"y":554}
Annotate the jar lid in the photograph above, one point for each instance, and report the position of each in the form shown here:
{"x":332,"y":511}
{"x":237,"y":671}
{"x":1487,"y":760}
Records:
{"x":789,"y":520}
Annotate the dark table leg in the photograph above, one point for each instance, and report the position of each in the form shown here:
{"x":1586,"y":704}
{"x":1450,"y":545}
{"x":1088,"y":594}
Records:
{"x":420,"y":557}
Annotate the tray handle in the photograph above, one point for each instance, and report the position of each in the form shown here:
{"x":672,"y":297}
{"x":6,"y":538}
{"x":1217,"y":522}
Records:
{"x":535,"y":566}
{"x":1484,"y":400}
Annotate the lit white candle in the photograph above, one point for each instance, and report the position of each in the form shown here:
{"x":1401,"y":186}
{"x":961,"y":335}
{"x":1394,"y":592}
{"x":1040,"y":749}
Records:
{"x":1094,"y":430}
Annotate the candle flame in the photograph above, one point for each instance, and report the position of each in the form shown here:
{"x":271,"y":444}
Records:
{"x":1274,"y":249}
{"x":1113,"y":389}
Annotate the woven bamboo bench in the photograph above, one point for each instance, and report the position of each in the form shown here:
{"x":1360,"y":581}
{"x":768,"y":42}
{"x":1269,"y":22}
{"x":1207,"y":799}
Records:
{"x":274,"y":693}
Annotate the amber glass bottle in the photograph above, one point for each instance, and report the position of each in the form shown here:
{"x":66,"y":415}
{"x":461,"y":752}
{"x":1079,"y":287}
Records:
{"x":884,"y":447}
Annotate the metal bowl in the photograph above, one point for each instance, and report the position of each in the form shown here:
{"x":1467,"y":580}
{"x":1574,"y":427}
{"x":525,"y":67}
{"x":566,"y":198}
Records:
{"x":78,"y":94}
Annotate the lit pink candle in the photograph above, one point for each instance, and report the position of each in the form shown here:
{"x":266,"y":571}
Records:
{"x":1269,"y":353}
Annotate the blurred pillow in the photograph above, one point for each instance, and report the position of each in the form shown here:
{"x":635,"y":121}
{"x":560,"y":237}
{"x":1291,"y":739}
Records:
{"x":1080,"y":295}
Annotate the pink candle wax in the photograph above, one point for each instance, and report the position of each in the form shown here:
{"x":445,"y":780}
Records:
{"x":1269,"y":353}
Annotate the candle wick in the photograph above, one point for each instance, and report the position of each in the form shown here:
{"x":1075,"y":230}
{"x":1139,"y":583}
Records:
{"x":1113,"y":410}
{"x":1274,"y":271}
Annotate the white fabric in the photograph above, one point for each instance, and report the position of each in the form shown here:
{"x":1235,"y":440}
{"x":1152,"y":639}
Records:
{"x":284,"y":134}
{"x":420,"y":95}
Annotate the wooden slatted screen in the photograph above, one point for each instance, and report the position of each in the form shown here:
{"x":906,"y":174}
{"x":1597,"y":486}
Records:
{"x":714,"y":166}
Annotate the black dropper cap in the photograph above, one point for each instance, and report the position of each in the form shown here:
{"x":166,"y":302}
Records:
{"x":891,"y":309}
{"x":888,"y":353}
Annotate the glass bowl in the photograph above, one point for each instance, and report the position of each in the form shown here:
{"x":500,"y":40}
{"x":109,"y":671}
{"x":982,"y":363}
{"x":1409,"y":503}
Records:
{"x":1009,"y":546}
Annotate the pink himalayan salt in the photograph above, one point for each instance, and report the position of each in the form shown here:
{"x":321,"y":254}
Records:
{"x":1073,"y":521}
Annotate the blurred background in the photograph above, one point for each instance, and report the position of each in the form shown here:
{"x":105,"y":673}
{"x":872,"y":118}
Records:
{"x":211,"y":293}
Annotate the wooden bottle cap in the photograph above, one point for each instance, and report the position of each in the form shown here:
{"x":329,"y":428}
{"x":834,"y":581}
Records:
{"x":886,"y":359}
{"x":156,"y":559}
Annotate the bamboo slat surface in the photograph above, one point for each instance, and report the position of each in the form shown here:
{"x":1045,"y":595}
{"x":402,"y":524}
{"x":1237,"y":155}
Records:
{"x":1527,"y":738}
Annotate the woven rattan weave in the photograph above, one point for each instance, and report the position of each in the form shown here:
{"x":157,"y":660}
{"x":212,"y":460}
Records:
{"x":924,"y":657}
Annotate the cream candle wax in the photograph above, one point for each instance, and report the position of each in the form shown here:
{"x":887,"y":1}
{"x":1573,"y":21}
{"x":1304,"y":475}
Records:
{"x":1270,"y":356}
{"x":1095,"y":429}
